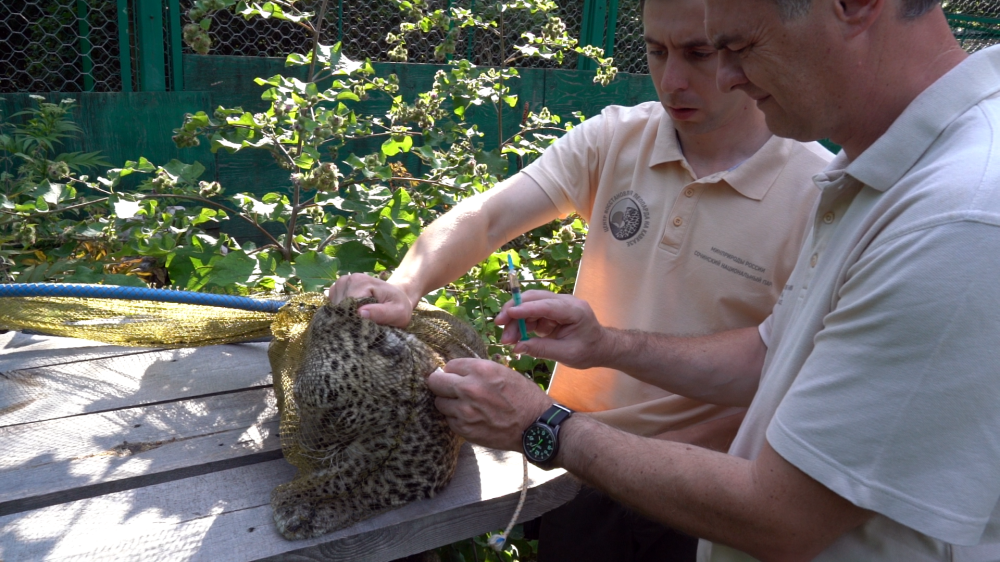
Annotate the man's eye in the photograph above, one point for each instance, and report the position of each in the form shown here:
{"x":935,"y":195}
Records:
{"x":701,"y":54}
{"x":655,"y":52}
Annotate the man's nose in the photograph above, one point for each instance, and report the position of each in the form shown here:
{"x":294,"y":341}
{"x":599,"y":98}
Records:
{"x":730,"y":73}
{"x":675,"y":77}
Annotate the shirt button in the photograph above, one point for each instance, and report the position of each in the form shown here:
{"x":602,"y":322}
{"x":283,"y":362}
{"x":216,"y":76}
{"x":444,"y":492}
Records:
{"x":689,"y":192}
{"x":828,"y":218}
{"x":813,"y":260}
{"x":678,"y":221}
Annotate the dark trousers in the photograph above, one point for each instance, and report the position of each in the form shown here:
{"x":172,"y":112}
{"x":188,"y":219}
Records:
{"x":592,"y":526}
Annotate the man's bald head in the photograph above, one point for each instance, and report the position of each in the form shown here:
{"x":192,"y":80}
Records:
{"x":791,"y":9}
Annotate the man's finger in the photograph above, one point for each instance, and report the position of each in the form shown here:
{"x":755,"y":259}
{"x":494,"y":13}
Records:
{"x":544,"y":328}
{"x":448,"y":407}
{"x":443,"y":384}
{"x":543,"y":348}
{"x":510,"y":334}
{"x":555,"y":310}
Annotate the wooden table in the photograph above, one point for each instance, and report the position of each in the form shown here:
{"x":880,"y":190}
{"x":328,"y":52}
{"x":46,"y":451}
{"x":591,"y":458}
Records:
{"x":136,"y":454}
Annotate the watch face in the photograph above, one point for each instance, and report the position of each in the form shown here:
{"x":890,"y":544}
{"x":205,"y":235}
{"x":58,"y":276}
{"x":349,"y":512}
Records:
{"x":539,"y":443}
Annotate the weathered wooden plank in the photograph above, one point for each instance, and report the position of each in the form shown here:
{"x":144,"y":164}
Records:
{"x":21,"y":351}
{"x":67,"y":459}
{"x":226,"y":516}
{"x":42,"y":393}
{"x":403,"y":539}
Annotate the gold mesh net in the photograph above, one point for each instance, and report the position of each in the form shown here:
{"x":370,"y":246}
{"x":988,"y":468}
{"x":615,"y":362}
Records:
{"x":134,"y":323}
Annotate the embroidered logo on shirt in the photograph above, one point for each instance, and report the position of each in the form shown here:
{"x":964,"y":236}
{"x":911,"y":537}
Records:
{"x":626,"y":216}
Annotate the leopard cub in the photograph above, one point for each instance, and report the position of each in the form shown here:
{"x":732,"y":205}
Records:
{"x":368,"y":437}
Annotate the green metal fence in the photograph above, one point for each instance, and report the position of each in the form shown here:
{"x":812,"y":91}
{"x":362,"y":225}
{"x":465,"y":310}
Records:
{"x":135,"y":45}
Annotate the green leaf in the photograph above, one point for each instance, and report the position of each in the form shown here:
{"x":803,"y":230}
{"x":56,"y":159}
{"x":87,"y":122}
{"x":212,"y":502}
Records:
{"x":126,"y":209}
{"x":195,"y":121}
{"x":560,"y":251}
{"x":297,"y":59}
{"x":144,"y":166}
{"x":316,"y":271}
{"x":187,"y":172}
{"x":329,"y":54}
{"x":343,"y":65}
{"x":205,"y":215}
{"x":86,"y":275}
{"x":51,"y":192}
{"x":491,"y":268}
{"x":234,"y":268}
{"x":393,"y":147}
{"x":353,"y":161}
{"x":445,"y":302}
{"x":272,"y":81}
{"x":354,"y":257}
{"x":400,"y":210}
{"x":304,"y":161}
{"x":496,"y":163}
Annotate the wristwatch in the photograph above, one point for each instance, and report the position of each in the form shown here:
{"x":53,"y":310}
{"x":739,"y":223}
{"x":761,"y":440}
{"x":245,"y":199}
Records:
{"x":541,"y":440}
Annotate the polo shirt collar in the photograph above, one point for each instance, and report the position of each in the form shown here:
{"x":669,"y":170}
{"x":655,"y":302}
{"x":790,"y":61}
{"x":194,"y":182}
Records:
{"x":885,"y":162}
{"x":752,"y":179}
{"x":666,"y":147}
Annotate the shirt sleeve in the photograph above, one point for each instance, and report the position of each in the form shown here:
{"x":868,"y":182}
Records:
{"x":897,"y":409}
{"x":764,"y":329}
{"x":569,"y":170}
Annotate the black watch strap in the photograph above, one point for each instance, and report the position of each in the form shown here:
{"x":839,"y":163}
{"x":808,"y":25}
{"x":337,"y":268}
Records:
{"x":555,"y":415}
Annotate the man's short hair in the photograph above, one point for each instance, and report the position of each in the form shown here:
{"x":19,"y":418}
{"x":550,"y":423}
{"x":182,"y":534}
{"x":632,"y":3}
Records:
{"x":791,"y":9}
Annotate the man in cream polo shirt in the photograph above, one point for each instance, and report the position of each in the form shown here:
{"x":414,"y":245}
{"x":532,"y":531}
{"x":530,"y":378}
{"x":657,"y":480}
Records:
{"x":873,"y":389}
{"x":696,"y":213}
{"x":695,"y":210}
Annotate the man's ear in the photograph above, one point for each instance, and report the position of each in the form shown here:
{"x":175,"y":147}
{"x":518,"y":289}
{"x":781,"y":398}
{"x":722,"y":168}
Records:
{"x":858,"y":15}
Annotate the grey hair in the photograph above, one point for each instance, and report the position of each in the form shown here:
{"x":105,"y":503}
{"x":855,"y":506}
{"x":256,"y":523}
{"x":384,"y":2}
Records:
{"x":791,"y":9}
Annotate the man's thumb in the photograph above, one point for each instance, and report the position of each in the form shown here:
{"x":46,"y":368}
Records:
{"x":384,"y":315}
{"x":536,"y":347}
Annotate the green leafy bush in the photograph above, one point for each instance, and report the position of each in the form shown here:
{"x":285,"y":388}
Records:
{"x":350,"y":204}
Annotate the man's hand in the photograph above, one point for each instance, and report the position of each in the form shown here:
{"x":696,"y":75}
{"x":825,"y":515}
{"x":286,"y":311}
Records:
{"x":487,"y":403}
{"x":393,"y":308}
{"x":567,"y":328}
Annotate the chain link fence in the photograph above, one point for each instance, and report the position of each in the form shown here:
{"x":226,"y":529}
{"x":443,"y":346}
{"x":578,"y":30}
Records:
{"x":362,"y":25}
{"x":629,"y":46}
{"x":59,"y":46}
{"x":91,"y":45}
{"x":976,"y":23}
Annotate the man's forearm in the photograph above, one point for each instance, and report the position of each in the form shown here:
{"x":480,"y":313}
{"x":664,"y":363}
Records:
{"x":716,"y":435}
{"x":765,"y":507}
{"x":468,"y":233}
{"x":722,"y":368}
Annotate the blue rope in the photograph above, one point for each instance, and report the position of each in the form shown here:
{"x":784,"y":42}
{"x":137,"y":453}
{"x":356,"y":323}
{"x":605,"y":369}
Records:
{"x":77,"y":290}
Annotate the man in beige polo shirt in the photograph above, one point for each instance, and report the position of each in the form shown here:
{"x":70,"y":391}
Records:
{"x":696,"y":213}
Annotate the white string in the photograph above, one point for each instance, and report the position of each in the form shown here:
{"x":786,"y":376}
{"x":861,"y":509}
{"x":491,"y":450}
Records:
{"x":497,"y":541}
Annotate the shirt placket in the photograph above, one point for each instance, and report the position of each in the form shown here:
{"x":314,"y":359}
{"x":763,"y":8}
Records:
{"x":833,"y":203}
{"x":682,"y":213}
